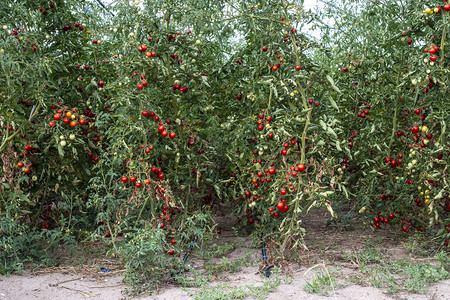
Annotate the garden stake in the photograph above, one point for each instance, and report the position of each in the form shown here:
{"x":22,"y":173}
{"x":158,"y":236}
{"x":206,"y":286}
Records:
{"x":266,"y":268}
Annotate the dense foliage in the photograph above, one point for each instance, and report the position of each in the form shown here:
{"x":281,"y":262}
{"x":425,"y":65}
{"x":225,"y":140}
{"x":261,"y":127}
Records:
{"x":129,"y":122}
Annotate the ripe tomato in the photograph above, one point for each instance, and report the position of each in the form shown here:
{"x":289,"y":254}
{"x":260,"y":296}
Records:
{"x":57,"y":117}
{"x":138,"y":184}
{"x":133,"y":179}
{"x":124,"y":179}
{"x":172,"y":135}
{"x":20,"y":165}
{"x":66,"y":121}
{"x":283,"y":192}
{"x":173,"y":242}
{"x":164,"y":133}
{"x":26,"y":170}
{"x":280,"y":205}
{"x":82,"y":122}
{"x":73,"y":124}
{"x":140,"y":86}
{"x":301,"y":167}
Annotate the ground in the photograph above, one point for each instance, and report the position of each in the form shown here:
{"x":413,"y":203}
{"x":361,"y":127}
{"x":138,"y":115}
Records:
{"x":342,"y":262}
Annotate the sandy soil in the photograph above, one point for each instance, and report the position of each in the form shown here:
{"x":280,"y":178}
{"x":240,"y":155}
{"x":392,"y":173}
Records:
{"x":327,"y":246}
{"x":71,"y":286}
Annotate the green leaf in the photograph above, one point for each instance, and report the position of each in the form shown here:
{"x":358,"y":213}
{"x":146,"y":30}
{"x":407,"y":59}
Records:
{"x":333,"y":103}
{"x":60,"y":151}
{"x":333,"y":84}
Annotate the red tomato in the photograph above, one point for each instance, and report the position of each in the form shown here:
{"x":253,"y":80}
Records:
{"x":280,"y":205}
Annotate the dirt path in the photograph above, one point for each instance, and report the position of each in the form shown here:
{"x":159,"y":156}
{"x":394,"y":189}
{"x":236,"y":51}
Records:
{"x":65,"y":286}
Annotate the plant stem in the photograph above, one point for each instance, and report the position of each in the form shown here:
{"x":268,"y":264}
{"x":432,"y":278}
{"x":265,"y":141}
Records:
{"x":394,"y":121}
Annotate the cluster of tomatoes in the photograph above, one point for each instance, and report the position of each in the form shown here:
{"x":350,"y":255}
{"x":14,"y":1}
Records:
{"x":416,"y":130}
{"x":364,"y":111}
{"x":176,"y":58}
{"x":26,"y":167}
{"x":161,"y":127}
{"x":69,"y":117}
{"x":379,"y":219}
{"x":432,"y":50}
{"x":249,"y":215}
{"x":407,"y":225}
{"x":394,"y":163}
{"x":437,"y":9}
{"x":46,"y":218}
{"x":177,"y":86}
{"x":352,"y":138}
{"x":44,"y":10}
{"x":16,"y":33}
{"x":143,"y":83}
{"x":143,"y":48}
{"x":311,"y":102}
{"x":166,"y":215}
{"x":264,"y":122}
{"x":281,"y":60}
{"x":136,"y":182}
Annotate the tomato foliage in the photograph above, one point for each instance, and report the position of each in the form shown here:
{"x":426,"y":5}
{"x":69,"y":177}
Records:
{"x":129,"y":121}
